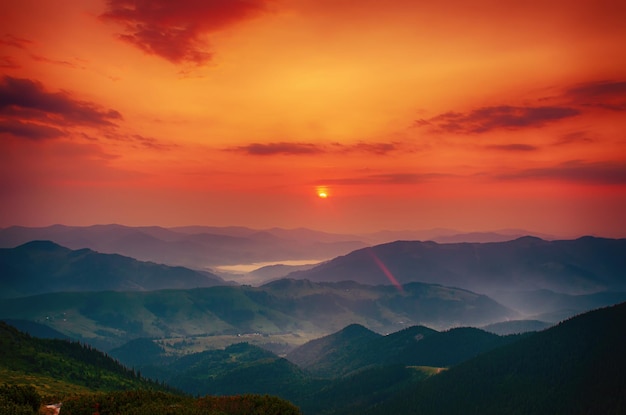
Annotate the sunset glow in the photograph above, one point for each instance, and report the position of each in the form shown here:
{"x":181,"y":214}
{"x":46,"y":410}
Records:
{"x":468,"y":115}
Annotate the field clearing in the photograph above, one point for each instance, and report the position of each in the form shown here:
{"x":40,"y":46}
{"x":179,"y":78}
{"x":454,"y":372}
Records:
{"x":277,"y":343}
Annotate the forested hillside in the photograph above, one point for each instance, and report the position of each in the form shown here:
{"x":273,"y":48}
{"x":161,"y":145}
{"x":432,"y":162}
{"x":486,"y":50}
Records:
{"x":576,"y":367}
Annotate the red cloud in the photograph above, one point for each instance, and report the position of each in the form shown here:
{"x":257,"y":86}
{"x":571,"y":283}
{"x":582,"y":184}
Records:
{"x":174,"y":29}
{"x":301,"y":148}
{"x":28,"y":110}
{"x":486,"y":119}
{"x":610,"y":95}
{"x":601,"y":172}
{"x":269,"y":149}
{"x":386,"y":178}
{"x":513,"y":147}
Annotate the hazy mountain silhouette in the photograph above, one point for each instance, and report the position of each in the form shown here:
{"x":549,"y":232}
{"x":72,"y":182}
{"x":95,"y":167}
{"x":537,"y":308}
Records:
{"x":204,"y":247}
{"x":43,"y":267}
{"x":514,"y":272}
{"x":196,"y":247}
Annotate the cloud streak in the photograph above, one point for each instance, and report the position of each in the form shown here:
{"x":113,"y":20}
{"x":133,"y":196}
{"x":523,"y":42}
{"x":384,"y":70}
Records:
{"x":386,"y":179}
{"x":285,"y":148}
{"x":28,"y":110}
{"x":608,"y":95}
{"x":26,"y":99}
{"x":595,"y":173}
{"x":279,"y":148}
{"x":175,"y":30}
{"x":516,"y":147}
{"x":503,"y":117}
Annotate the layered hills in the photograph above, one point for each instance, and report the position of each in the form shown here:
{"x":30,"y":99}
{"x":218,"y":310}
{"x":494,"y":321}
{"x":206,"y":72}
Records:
{"x":574,"y":367}
{"x":576,"y":266}
{"x":198,"y":247}
{"x":108,"y":319}
{"x":543,"y":280}
{"x":43,"y":267}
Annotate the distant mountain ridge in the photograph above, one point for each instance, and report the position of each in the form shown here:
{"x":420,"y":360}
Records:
{"x":198,"y":247}
{"x":580,"y":266}
{"x":40,"y":267}
{"x":203,"y":247}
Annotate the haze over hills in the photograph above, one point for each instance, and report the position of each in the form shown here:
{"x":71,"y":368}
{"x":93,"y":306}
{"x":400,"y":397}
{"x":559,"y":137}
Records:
{"x":196,"y":247}
{"x":576,"y":266}
{"x":203,"y":247}
{"x":108,"y":319}
{"x":359,"y":368}
{"x":547,"y":279}
{"x":577,"y":364}
{"x":42,"y":267}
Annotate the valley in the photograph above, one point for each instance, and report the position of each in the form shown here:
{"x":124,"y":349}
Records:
{"x":351,"y":334}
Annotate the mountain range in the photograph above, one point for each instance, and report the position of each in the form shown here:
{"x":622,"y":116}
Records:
{"x":198,"y":247}
{"x":43,"y":267}
{"x":203,"y":247}
{"x":578,"y":266}
{"x":108,"y":299}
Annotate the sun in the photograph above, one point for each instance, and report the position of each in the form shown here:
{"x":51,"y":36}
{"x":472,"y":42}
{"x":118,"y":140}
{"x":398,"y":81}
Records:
{"x":322,"y":192}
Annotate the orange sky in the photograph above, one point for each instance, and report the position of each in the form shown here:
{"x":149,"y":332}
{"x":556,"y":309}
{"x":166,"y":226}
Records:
{"x":468,"y":115}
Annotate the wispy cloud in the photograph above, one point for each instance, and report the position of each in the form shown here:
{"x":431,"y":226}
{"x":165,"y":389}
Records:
{"x":372,"y":148}
{"x":385,"y":178}
{"x":14,"y":41}
{"x":304,"y":148}
{"x":29,"y":130}
{"x":175,"y":30}
{"x":7,"y":62}
{"x":608,"y":95}
{"x":28,"y":100}
{"x":574,"y":137}
{"x":601,"y":172}
{"x":136,"y":141}
{"x":504,"y":117}
{"x":43,"y":59}
{"x":278,"y":148}
{"x":513,"y":147}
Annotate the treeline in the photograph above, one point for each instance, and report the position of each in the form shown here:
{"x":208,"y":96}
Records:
{"x":142,"y":402}
{"x":576,"y":367}
{"x":67,"y":361}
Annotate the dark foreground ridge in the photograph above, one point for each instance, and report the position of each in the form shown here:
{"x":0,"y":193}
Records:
{"x":576,"y":367}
